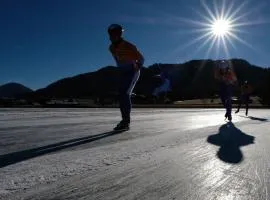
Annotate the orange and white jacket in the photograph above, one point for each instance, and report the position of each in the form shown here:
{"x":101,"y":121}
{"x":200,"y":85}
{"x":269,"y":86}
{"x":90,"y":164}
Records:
{"x":126,"y":54}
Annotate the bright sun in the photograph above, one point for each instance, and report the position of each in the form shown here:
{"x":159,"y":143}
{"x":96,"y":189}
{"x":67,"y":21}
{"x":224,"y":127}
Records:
{"x":221,"y":27}
{"x":221,"y":24}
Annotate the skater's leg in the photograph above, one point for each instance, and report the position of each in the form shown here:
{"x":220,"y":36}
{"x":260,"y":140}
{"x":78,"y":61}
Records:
{"x":228,"y":102}
{"x":239,"y":104}
{"x":122,"y":90}
{"x":223,"y":101}
{"x":126,"y":88}
{"x":228,"y":108}
{"x":124,"y":99}
{"x":125,"y":107}
{"x":247,"y":104}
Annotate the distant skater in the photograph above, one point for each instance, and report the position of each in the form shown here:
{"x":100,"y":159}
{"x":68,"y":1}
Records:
{"x":246,"y":90}
{"x":163,"y":88}
{"x":129,"y":60}
{"x":226,"y":78}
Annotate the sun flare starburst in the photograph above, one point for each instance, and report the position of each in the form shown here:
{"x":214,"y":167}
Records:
{"x":221,"y":25}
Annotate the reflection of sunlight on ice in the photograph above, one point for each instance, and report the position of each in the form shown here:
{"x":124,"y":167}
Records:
{"x":226,"y":197}
{"x":214,"y":171}
{"x":201,"y":121}
{"x":215,"y":178}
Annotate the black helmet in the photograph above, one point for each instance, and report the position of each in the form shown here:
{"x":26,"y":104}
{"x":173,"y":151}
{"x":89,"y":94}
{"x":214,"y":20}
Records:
{"x":115,"y":28}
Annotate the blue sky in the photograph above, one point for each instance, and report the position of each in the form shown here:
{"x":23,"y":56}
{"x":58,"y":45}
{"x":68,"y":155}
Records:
{"x":45,"y":40}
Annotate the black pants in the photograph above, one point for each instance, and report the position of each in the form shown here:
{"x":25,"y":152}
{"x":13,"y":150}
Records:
{"x":226,"y":97}
{"x":127,"y":84}
{"x":244,"y":99}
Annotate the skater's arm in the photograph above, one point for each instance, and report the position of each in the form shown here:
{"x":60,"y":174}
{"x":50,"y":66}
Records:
{"x":233,"y":78}
{"x":135,"y":54}
{"x":111,"y":49}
